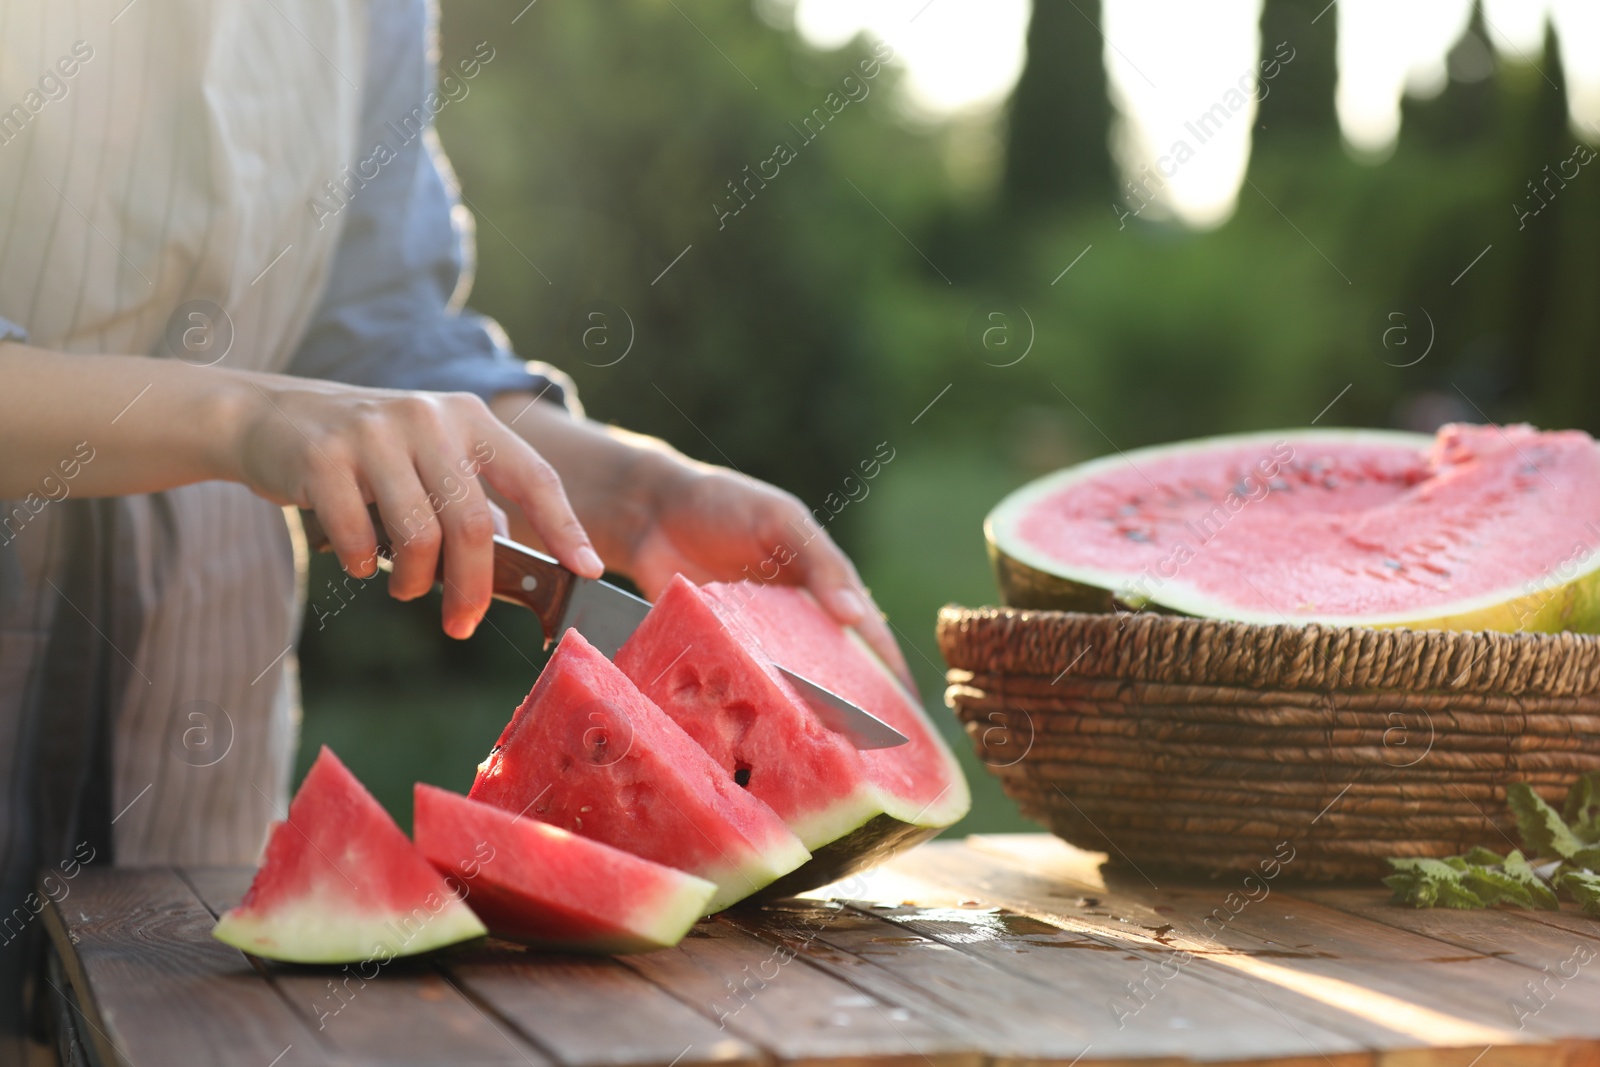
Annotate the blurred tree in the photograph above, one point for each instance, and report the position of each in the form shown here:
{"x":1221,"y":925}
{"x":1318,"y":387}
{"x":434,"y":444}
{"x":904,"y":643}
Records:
{"x":1299,"y":100}
{"x":1060,"y":113}
{"x":1554,"y":247}
{"x":732,"y":231}
{"x":1462,"y":113}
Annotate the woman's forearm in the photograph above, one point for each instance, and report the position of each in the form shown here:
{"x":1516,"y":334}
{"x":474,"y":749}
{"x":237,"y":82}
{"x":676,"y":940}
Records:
{"x":612,"y":476}
{"x":111,"y":425}
{"x":120,"y":425}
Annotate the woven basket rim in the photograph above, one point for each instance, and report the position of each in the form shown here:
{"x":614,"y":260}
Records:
{"x":1150,"y":647}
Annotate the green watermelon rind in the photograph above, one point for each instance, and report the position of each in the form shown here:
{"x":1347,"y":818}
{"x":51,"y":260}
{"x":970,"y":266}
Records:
{"x":871,"y":825}
{"x":321,"y":934}
{"x":671,"y":920}
{"x":866,"y":846}
{"x":767,"y":865}
{"x":851,"y":814}
{"x":1032,"y":580}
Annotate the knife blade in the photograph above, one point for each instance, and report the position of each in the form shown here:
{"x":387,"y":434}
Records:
{"x":606,"y":616}
{"x":864,"y":729}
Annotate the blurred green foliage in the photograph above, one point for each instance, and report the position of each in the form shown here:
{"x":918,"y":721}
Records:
{"x":823,"y":318}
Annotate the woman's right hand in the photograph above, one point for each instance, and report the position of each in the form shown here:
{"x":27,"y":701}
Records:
{"x":154,"y":424}
{"x":334,"y":449}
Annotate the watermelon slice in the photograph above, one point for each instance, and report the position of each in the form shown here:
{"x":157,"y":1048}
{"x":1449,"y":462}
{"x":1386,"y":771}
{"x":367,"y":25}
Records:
{"x":1479,"y":528}
{"x":340,"y":883}
{"x":706,"y":656}
{"x":539,"y":884}
{"x":588,"y":752}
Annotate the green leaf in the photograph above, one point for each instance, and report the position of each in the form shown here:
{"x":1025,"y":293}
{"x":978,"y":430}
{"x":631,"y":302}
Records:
{"x":1430,"y":883}
{"x":1542,"y":828}
{"x":1494,"y":886}
{"x":1482,"y":857}
{"x":1516,"y":867}
{"x":1582,"y":809}
{"x":1587,"y":858}
{"x":1585,"y":889}
{"x":1457,"y":895}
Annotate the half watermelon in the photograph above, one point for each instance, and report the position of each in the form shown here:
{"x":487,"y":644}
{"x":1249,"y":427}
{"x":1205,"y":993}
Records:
{"x":340,"y":883}
{"x":706,"y":655}
{"x":1478,"y":528}
{"x":588,"y":752}
{"x":541,"y":885}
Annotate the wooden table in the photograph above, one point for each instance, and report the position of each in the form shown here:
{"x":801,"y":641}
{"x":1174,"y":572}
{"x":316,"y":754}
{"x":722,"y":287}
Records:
{"x":997,"y":950}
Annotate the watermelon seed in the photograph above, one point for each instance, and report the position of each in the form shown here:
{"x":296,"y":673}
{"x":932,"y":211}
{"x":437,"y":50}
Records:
{"x":741,"y":776}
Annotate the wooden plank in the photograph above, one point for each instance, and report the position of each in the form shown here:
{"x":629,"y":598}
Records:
{"x":1033,"y":994}
{"x":1373,"y":983}
{"x":882,"y":960}
{"x":798,"y":1013}
{"x":594,"y":1012}
{"x":1569,"y":918}
{"x":1407,"y":963}
{"x":355,"y":1009}
{"x":156,"y":988}
{"x":1298,"y":978}
{"x":1535,"y":939}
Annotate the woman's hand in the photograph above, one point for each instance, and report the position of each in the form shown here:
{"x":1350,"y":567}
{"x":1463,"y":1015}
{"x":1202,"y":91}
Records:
{"x":711,"y":524}
{"x":424,"y":458}
{"x":419,"y":457}
{"x":655,"y":513}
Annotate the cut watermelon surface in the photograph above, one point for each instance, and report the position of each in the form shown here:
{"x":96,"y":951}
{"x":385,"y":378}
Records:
{"x":706,"y":655}
{"x":1478,"y":528}
{"x":340,"y":883}
{"x":588,"y":752}
{"x":545,"y":886}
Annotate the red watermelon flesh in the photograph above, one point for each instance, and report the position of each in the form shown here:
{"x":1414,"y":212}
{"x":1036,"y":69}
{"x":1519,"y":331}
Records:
{"x":542,"y":885}
{"x":588,"y":752}
{"x":1481,"y":527}
{"x":340,"y":883}
{"x":706,"y":656}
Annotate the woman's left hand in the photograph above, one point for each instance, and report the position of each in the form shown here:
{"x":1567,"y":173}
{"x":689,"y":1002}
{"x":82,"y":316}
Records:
{"x":654,"y":513}
{"x":711,"y":524}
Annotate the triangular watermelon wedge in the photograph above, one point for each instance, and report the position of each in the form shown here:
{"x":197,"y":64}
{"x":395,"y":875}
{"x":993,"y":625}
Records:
{"x":706,"y":655}
{"x":588,"y":752}
{"x":544,"y":886}
{"x":340,"y":883}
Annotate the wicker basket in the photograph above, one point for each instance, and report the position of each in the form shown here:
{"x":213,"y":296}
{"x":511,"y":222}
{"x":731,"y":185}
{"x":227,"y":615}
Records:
{"x":1191,"y":744}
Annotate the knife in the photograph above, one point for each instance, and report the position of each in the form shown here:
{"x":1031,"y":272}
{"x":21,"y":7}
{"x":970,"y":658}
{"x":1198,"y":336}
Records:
{"x":606,"y":616}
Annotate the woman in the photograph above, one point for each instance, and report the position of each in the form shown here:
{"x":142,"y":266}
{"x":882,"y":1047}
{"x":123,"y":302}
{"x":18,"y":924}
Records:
{"x":196,"y":334}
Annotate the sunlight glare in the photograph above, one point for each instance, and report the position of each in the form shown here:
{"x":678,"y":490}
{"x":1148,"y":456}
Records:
{"x":1182,"y":77}
{"x":959,"y":56}
{"x":1384,"y":49}
{"x":1516,"y":27}
{"x":1578,"y":31}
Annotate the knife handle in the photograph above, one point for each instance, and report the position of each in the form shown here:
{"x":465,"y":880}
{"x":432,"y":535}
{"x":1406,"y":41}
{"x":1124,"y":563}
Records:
{"x":521,"y":575}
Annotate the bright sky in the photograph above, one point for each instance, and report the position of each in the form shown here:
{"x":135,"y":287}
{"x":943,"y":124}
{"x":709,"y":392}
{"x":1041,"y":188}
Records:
{"x":959,"y":55}
{"x":1176,"y":73}
{"x":1388,"y":48}
{"x":1172,"y":61}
